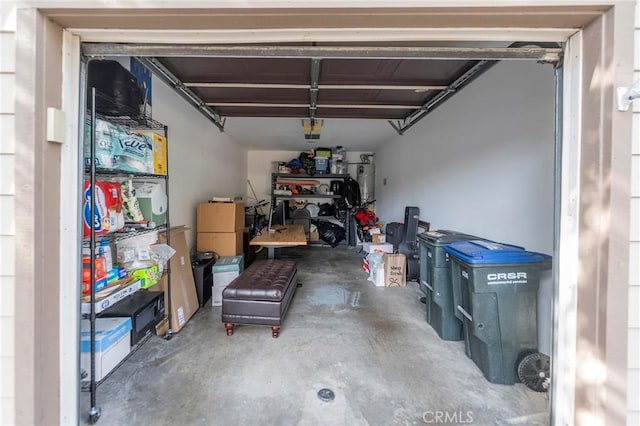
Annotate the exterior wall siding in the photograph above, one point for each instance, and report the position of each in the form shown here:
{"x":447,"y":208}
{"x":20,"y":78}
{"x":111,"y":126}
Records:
{"x":7,"y":217}
{"x":633,"y":378}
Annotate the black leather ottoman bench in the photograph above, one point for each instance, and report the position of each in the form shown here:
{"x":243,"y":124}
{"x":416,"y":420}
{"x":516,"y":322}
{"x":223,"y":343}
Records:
{"x":260,"y":295}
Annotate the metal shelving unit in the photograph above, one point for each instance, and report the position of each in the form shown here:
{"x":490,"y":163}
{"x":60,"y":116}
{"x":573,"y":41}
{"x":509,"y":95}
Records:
{"x":276,"y":176}
{"x":347,"y":221}
{"x":132,"y":120}
{"x":307,"y":196}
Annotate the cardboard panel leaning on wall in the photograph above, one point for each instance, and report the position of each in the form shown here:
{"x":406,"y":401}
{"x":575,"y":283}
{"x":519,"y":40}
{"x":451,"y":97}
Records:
{"x":184,"y":299}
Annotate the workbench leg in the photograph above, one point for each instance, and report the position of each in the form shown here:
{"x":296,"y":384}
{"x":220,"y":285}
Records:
{"x":271,"y":252}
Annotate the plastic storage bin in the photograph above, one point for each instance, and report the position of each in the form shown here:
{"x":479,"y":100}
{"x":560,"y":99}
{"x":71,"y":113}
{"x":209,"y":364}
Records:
{"x":322,"y":165}
{"x":435,"y":281}
{"x":495,"y":293}
{"x":338,"y":160}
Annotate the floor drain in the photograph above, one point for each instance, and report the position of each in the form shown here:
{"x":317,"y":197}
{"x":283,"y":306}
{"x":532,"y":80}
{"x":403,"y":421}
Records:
{"x":326,"y":395}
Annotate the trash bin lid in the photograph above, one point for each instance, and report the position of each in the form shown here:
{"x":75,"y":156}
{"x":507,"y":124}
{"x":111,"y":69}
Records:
{"x":489,"y":252}
{"x":444,"y":236}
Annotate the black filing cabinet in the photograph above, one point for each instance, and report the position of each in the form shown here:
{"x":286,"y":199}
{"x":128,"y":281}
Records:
{"x":203,"y":277}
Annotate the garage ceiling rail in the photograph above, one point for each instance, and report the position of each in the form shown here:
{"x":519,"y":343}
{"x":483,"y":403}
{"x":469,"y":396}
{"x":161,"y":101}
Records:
{"x":400,"y":84}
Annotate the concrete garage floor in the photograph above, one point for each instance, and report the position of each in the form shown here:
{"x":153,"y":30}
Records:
{"x":370,"y":345}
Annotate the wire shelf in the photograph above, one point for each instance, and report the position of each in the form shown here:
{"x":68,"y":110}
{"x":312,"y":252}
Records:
{"x":108,"y":109}
{"x":111,"y":173}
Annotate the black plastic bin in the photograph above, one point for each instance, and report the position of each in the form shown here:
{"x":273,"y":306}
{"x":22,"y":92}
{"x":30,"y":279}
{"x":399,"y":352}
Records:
{"x":495,"y":295}
{"x":435,"y":281}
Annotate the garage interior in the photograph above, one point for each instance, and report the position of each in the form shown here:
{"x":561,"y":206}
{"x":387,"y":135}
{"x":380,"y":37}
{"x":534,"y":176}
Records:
{"x":481,"y":163}
{"x":384,"y":363}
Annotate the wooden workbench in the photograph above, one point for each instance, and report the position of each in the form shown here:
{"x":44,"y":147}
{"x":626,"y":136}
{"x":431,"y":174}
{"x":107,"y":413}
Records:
{"x":285,"y":236}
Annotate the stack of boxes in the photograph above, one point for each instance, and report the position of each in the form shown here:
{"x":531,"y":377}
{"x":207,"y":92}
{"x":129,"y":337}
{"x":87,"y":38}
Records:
{"x":220,"y":227}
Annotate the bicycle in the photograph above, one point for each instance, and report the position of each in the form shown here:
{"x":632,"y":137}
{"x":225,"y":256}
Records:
{"x":256,"y":220}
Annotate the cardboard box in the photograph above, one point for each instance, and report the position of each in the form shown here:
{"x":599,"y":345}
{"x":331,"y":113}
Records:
{"x":378,"y":238}
{"x":223,"y":243}
{"x":112,"y":344}
{"x":159,"y":144}
{"x":395,"y":270}
{"x":184,"y":299}
{"x":377,"y":248}
{"x":148,"y":276}
{"x":225,"y":270}
{"x":163,"y":326}
{"x":220,"y":217}
{"x":110,"y":298}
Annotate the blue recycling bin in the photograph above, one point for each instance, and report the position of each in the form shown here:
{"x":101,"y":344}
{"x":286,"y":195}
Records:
{"x":435,"y":281}
{"x":495,"y":296}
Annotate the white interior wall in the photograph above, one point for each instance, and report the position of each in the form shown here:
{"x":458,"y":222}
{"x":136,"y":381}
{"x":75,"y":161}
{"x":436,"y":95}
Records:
{"x":203,"y":161}
{"x":259,"y":169}
{"x":482,"y":163}
{"x":268,"y":133}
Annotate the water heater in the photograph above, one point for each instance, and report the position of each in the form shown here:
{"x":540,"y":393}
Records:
{"x":366,"y":177}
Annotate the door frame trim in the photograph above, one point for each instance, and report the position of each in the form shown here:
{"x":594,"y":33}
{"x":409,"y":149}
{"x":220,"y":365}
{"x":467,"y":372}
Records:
{"x":601,"y":345}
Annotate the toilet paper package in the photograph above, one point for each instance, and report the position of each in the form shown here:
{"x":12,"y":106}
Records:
{"x":116,"y":148}
{"x":108,"y":212}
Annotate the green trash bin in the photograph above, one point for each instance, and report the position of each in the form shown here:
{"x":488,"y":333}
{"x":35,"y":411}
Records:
{"x":495,"y":295}
{"x":435,"y":282}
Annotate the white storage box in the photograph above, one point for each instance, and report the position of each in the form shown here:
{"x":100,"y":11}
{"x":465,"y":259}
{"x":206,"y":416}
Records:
{"x":112,"y":344}
{"x":377,"y":248}
{"x":225,"y":270}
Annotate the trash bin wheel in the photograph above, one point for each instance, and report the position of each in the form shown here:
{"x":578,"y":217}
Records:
{"x":534,"y":372}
